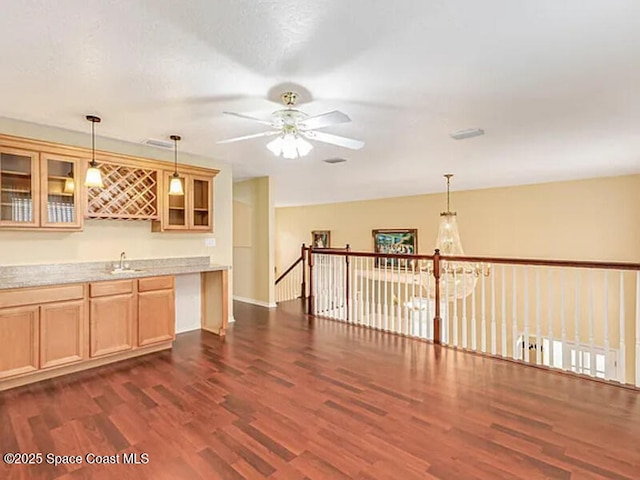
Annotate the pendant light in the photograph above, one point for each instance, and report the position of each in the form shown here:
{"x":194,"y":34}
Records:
{"x":69,"y":183}
{"x":175,"y":187}
{"x":93,"y":177}
{"x":457,"y":279}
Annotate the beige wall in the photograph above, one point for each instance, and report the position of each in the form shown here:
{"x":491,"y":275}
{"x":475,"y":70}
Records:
{"x":253,"y":252}
{"x":597,"y":219}
{"x":105,"y":239}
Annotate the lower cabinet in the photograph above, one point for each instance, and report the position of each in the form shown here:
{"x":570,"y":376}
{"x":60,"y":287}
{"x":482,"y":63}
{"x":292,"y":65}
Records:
{"x":43,"y":329}
{"x":112,"y":324}
{"x":156,"y":317}
{"x":18,"y":340}
{"x":62,"y":333}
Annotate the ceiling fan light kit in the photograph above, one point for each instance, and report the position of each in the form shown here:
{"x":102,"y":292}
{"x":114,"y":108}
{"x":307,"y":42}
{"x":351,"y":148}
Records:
{"x":294,"y":128}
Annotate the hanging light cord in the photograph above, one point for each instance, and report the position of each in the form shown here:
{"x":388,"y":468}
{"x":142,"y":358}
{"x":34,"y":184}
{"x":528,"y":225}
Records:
{"x":93,"y":142}
{"x":175,"y":155}
{"x":448,"y":177}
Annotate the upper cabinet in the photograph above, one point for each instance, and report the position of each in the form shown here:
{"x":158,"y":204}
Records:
{"x":42,"y":188}
{"x":191,"y":212}
{"x":19,"y":188}
{"x":61,"y":190}
{"x":39,"y":191}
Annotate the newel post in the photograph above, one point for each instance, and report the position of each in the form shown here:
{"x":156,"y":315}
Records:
{"x":437,"y":320}
{"x":303,"y":288}
{"x":347,"y":287}
{"x":310,"y":309}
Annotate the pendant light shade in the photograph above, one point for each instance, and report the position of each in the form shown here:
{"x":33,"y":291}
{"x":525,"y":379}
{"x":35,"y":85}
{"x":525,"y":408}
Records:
{"x":69,"y":183}
{"x":94,"y":176}
{"x":175,"y":186}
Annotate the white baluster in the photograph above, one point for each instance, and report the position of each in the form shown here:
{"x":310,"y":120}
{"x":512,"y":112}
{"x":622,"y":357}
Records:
{"x":411,"y":315}
{"x":447,"y":322}
{"x":622,"y":356}
{"x":494,"y":334}
{"x":399,"y":302}
{"x":550,"y":316}
{"x":563,"y":319}
{"x":538,"y":326}
{"x":592,"y":353}
{"x":474,"y":324}
{"x":407,"y":329}
{"x":428,"y":322}
{"x":483,"y":318}
{"x":503,"y":298}
{"x":455,"y":309}
{"x":314,"y":275}
{"x":525,"y":341}
{"x":379,"y":307}
{"x":367,"y":312}
{"x":638,"y":329}
{"x":386,"y":294}
{"x":464,"y":309}
{"x":514,"y":313}
{"x":577,"y":324}
{"x":607,"y":348}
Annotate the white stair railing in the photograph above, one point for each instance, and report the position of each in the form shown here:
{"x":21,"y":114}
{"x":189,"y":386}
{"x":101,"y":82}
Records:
{"x":573,"y":316}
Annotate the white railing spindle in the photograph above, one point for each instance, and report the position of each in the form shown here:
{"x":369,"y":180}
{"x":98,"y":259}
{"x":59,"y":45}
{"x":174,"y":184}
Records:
{"x":538,"y":326}
{"x":494,"y":333}
{"x":637,"y":329}
{"x":503,"y":320}
{"x":525,"y":338}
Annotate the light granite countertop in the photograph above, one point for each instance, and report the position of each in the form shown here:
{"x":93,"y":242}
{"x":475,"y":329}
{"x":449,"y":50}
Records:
{"x":22,"y":276}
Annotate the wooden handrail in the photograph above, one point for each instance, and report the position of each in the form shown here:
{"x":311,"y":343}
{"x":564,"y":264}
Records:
{"x":476,"y":259}
{"x":293,"y":265}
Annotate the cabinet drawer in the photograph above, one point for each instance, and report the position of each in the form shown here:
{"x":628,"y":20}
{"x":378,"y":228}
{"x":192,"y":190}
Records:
{"x":155,"y":283}
{"x":31,"y":296}
{"x":103,"y":289}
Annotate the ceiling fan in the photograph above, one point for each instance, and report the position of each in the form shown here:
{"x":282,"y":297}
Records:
{"x":293,"y":128}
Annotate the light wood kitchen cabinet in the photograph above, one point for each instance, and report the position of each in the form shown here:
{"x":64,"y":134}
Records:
{"x":39,"y":191}
{"x":53,"y":330}
{"x":191,"y":212}
{"x":19,"y":340}
{"x":19,"y":188}
{"x":111,"y":317}
{"x":61,"y":192}
{"x":156,"y":317}
{"x":62,"y":333}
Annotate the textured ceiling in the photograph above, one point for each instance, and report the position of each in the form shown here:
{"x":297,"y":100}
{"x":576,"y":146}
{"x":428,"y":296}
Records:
{"x":555,"y":85}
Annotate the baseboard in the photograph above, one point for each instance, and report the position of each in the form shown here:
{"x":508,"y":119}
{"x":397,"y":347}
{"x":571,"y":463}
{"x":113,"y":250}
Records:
{"x":254,"y":302}
{"x":231,"y":319}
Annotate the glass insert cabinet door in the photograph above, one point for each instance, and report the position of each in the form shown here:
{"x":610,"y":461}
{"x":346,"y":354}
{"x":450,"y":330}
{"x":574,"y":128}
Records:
{"x":176,"y":206}
{"x":61,"y":188}
{"x":201,"y":204}
{"x":18,"y":188}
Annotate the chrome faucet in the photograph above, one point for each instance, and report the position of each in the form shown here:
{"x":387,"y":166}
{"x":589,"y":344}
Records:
{"x":123,"y":256}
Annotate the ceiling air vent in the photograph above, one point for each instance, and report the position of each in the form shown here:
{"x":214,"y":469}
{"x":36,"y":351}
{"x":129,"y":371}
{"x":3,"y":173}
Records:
{"x":468,"y":133}
{"x":152,"y":142}
{"x":335,"y":160}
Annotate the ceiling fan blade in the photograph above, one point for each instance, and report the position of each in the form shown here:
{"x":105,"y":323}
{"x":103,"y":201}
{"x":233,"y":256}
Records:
{"x":247,"y":137}
{"x":335,"y":140}
{"x":324,"y":120}
{"x":247,"y":117}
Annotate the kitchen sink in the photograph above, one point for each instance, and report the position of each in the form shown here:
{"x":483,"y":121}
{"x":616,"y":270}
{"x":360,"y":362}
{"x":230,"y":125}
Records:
{"x":117,"y":271}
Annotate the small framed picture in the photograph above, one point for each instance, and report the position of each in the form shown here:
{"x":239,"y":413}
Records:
{"x":321,"y":239}
{"x":403,"y":241}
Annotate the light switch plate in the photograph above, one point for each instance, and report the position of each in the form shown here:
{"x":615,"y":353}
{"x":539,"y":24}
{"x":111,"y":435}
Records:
{"x":210,"y":242}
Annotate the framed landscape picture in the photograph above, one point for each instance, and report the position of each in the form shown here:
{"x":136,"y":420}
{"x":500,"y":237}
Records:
{"x":404,"y":241}
{"x":321,"y":239}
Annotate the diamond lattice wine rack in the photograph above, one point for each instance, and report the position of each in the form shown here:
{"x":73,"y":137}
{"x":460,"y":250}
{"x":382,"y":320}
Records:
{"x":129,"y":193}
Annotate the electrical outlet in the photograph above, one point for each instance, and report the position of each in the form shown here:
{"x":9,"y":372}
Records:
{"x":210,"y":242}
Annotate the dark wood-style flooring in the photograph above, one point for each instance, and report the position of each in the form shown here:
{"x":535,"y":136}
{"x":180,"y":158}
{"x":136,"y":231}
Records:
{"x":283,"y":398}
